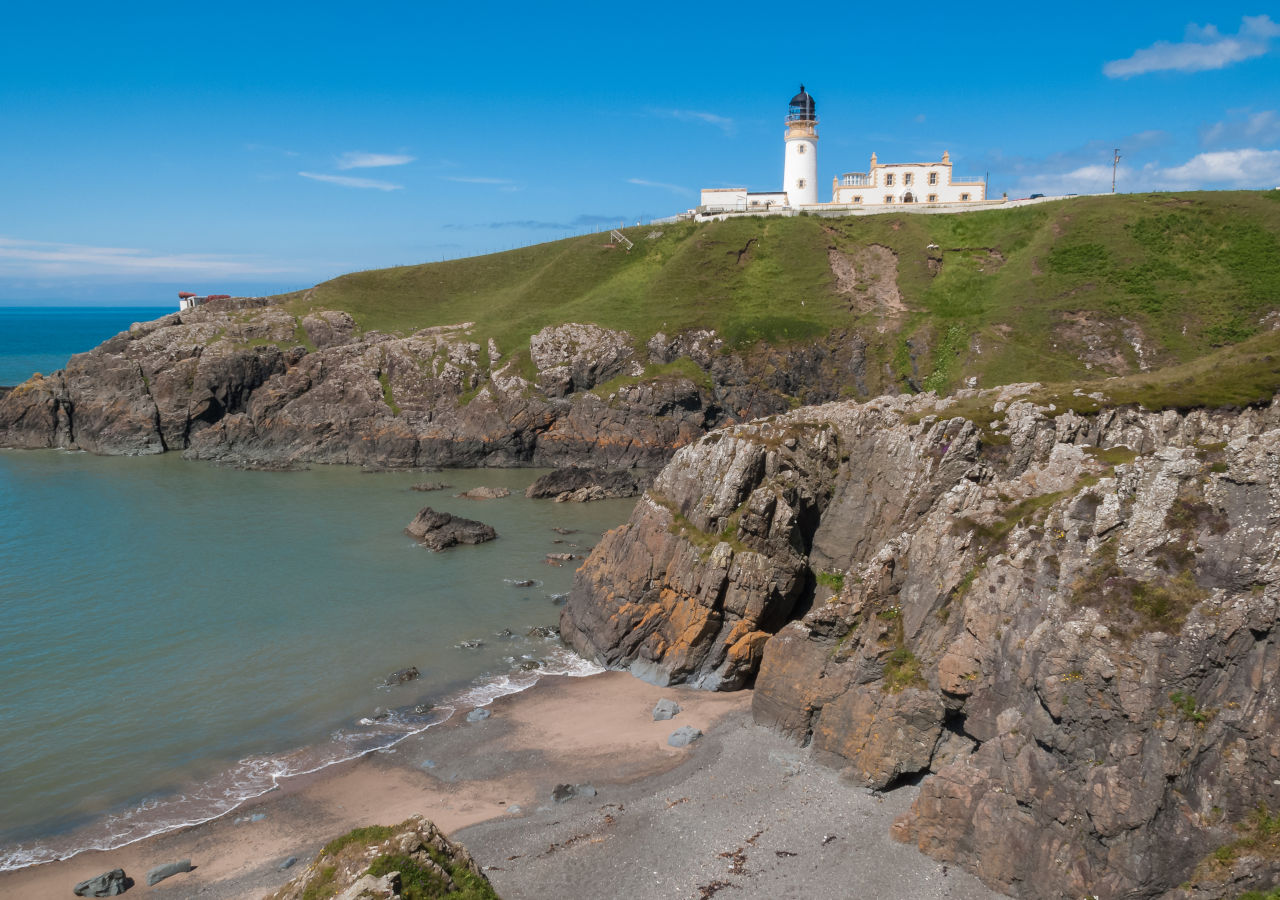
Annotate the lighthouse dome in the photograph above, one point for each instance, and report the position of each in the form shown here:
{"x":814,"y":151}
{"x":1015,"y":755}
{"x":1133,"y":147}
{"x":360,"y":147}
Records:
{"x":801,"y":107}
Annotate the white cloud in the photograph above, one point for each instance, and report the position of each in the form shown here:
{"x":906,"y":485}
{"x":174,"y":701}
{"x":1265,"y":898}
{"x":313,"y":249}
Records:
{"x":1092,"y":179}
{"x":674,"y":188}
{"x":348,"y":181}
{"x":358,"y":159}
{"x":1205,"y":48}
{"x":1248,"y":168}
{"x":45,"y":258}
{"x":476,"y":179}
{"x":724,"y":123}
{"x":1246,"y":126}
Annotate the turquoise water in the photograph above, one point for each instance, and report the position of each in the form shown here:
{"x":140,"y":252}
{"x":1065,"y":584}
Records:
{"x":177,"y":636}
{"x":41,"y":339}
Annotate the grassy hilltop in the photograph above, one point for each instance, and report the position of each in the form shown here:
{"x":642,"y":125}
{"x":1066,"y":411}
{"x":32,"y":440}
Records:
{"x":1066,"y":291}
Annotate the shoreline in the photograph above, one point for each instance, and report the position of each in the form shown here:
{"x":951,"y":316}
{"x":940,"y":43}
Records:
{"x":597,"y":730}
{"x":237,"y":857}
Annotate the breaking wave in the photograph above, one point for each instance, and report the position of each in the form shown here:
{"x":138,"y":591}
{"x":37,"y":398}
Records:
{"x":254,"y":776}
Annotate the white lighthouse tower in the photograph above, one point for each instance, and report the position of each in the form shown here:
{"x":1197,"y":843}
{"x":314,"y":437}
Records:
{"x":800,"y":165}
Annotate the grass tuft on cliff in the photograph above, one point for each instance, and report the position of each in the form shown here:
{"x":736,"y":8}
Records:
{"x":1065,"y":291}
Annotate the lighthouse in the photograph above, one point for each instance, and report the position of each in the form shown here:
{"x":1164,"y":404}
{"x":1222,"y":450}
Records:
{"x":800,"y":164}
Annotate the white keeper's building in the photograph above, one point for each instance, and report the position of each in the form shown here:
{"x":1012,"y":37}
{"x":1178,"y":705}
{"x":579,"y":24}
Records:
{"x":882,"y":185}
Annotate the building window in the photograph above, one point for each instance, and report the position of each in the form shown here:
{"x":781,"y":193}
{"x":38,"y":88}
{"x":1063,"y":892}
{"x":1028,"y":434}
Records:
{"x":888,"y":198}
{"x":800,"y":148}
{"x":906,"y":178}
{"x":933,"y":177}
{"x":888,"y":179}
{"x":857,"y":199}
{"x":800,"y":183}
{"x":933,"y":198}
{"x":964,"y":196}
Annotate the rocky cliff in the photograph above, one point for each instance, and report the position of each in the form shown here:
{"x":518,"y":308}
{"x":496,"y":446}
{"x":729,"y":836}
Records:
{"x":1064,"y":624}
{"x":247,"y":382}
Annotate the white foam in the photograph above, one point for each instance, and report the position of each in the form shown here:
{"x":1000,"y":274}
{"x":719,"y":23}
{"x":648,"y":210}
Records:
{"x":257,"y":775}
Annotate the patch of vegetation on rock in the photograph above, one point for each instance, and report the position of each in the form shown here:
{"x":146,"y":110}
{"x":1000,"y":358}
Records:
{"x":418,"y":882}
{"x":1259,"y":835}
{"x":1161,"y":603}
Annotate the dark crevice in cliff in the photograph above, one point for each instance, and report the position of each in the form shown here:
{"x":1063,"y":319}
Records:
{"x":953,"y":721}
{"x":905,"y":780}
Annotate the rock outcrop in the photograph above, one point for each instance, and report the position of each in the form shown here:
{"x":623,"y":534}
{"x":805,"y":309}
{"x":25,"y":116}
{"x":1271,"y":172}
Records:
{"x":374,"y":862}
{"x":1065,"y":624}
{"x":580,"y":484}
{"x":250,"y":383}
{"x":441,"y":530}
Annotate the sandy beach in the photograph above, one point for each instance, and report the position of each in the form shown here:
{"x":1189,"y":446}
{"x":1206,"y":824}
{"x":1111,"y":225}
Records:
{"x":741,"y":810}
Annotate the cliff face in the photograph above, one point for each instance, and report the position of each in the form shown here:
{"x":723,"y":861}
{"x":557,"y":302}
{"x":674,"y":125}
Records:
{"x":1066,"y":625}
{"x":248,"y":382}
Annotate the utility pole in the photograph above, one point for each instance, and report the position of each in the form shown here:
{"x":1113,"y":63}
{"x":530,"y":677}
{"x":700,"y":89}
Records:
{"x":1114,"y":163}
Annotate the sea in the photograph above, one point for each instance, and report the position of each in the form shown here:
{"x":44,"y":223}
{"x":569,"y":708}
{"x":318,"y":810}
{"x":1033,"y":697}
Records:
{"x":178,"y":637}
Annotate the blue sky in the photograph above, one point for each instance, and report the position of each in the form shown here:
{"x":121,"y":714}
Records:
{"x":251,"y":148}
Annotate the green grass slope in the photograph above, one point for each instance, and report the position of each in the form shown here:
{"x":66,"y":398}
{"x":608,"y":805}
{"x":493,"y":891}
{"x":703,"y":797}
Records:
{"x":1005,"y":295}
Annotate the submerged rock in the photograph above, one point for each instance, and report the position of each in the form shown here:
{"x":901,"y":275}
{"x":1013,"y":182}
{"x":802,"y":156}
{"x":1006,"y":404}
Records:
{"x":440,"y":530}
{"x":400,"y":676}
{"x":430,"y":486}
{"x":478,"y":715}
{"x":485,"y":493}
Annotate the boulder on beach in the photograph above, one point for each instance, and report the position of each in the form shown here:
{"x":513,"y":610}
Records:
{"x":665,"y":709}
{"x":484,"y":493}
{"x":581,"y":484}
{"x":400,"y":676}
{"x":684,"y":736}
{"x":478,"y":715}
{"x":438,"y":530}
{"x":168,"y":870}
{"x":108,"y":884}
